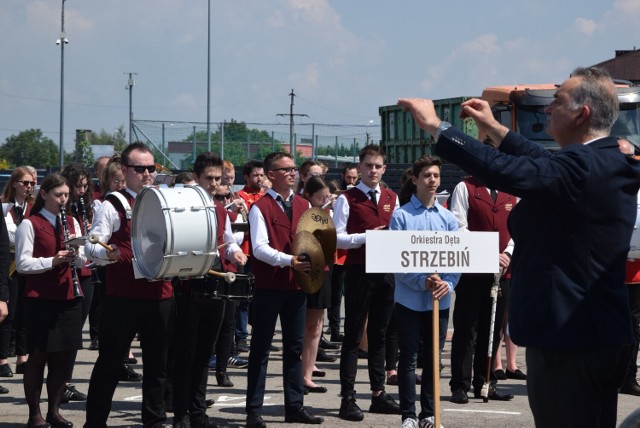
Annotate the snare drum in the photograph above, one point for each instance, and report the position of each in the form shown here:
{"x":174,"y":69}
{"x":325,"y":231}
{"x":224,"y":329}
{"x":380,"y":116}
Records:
{"x":634,"y":250}
{"x":173,"y":232}
{"x":240,"y":289}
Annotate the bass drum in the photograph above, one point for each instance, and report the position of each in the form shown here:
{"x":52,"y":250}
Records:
{"x":173,"y":232}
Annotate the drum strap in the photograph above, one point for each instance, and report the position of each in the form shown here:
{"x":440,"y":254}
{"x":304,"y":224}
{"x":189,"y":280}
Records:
{"x":125,"y":204}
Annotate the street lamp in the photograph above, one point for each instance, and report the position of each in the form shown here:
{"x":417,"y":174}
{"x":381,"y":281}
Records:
{"x":62,"y":41}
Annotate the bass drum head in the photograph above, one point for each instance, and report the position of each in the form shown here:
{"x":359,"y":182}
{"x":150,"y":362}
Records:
{"x":149,"y":233}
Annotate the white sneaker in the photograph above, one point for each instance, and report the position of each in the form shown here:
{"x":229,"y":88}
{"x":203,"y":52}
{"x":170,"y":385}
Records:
{"x":428,"y":423}
{"x":410,"y":423}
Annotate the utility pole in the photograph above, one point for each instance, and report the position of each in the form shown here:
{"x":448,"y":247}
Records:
{"x":130,"y":84}
{"x":208,"y":77}
{"x":62,"y":41}
{"x":292,"y":146}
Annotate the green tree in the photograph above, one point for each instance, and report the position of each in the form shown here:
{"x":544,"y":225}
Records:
{"x":83,"y":153}
{"x":30,"y":147}
{"x":115,"y":139}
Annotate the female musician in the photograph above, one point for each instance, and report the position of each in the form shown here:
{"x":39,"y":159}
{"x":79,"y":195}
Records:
{"x":53,"y":312}
{"x":17,"y":199}
{"x":308,"y":169}
{"x":316,"y":192}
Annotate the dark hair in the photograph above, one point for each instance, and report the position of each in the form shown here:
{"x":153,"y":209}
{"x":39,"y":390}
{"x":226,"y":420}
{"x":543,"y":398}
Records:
{"x":334,"y":186}
{"x":184,"y":177}
{"x":248,"y":167}
{"x":312,"y":185}
{"x":274,"y":157}
{"x":74,"y":173}
{"x":348,"y":166}
{"x":597,"y":91}
{"x":51,"y":181}
{"x":9,"y":193}
{"x":373,"y":150}
{"x":141,"y":147}
{"x":408,"y":188}
{"x":206,"y":160}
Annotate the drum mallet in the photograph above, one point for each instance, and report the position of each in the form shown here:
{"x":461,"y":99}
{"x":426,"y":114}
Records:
{"x":95,"y":239}
{"x":435,"y":344}
{"x":227,"y":276}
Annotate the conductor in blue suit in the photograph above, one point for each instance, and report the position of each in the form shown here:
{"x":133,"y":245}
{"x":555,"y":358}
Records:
{"x":571,"y":230}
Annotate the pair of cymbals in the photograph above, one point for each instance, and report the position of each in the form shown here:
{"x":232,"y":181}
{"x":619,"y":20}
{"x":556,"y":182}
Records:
{"x":315,"y":241}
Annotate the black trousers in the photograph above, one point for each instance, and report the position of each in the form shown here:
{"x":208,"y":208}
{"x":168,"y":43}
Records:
{"x":99,"y":291}
{"x":121,"y":319}
{"x":10,"y":320}
{"x":225,"y":340}
{"x":337,"y":289}
{"x":575,"y":387}
{"x":365,"y":295}
{"x":471,"y":322}
{"x":634,"y":302}
{"x":198,"y":323}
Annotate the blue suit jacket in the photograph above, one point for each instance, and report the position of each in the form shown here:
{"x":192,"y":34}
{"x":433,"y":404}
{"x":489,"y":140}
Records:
{"x":571,"y":231}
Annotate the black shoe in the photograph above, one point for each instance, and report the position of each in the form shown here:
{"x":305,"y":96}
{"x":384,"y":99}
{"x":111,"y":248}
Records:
{"x":223,"y":379}
{"x":209,"y":402}
{"x":384,"y":404}
{"x":5,"y":370}
{"x":363,"y":355}
{"x":131,"y":360}
{"x":255,"y":421}
{"x":323,"y":357}
{"x":59,"y":423}
{"x":3,"y":390}
{"x":72,"y":394}
{"x":182,"y":422}
{"x":274,"y":348}
{"x":94,"y":345}
{"x":302,"y":417}
{"x":127,"y":374}
{"x":459,"y":396}
{"x":202,"y":421}
{"x":20,"y":367}
{"x":318,"y":373}
{"x":500,"y":374}
{"x":336,"y":337}
{"x":324,"y":344}
{"x":631,"y":388}
{"x":315,"y":389}
{"x":494,"y":394}
{"x":349,"y":410}
{"x":241,"y":345}
{"x":516,"y":374}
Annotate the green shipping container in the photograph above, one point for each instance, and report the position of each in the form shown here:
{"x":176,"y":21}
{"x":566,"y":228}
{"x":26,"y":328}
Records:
{"x":404,"y":141}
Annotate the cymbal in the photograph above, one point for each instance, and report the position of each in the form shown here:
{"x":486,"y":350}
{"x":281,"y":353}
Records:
{"x":320,"y":224}
{"x":305,"y":244}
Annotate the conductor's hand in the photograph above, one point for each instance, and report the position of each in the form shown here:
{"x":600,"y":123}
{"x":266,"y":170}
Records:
{"x":63,"y":256}
{"x":423,"y":111}
{"x":504,"y":260}
{"x":300,"y":263}
{"x":240,"y":258}
{"x":480,"y":112}
{"x":4,"y":311}
{"x":115,"y":253}
{"x":437,"y":286}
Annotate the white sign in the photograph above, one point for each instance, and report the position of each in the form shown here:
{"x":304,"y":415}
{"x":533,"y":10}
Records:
{"x":415,"y":251}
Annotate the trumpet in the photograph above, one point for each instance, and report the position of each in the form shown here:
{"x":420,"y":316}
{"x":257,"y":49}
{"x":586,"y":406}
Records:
{"x":77,"y":292}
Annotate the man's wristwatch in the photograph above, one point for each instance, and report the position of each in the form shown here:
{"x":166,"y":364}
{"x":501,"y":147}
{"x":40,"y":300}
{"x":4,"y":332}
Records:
{"x":443,"y":126}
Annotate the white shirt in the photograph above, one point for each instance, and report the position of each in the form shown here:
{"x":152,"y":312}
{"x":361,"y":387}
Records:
{"x":260,"y":238}
{"x":460,"y":209}
{"x":8,"y":218}
{"x":341,"y":217}
{"x":25,"y":262}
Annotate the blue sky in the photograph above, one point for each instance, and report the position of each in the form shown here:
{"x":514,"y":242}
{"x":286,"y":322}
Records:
{"x":343,"y":58}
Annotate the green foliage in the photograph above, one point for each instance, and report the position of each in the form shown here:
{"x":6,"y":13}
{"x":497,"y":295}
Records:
{"x":30,"y":147}
{"x":83,"y":153}
{"x":115,"y":139}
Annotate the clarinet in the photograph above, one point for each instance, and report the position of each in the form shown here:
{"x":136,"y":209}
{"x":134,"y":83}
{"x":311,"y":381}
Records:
{"x":74,"y":274}
{"x":85,"y":232}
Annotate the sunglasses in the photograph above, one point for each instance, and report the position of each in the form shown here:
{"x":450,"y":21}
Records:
{"x":287,"y":170}
{"x":140,"y":169}
{"x":27,"y":183}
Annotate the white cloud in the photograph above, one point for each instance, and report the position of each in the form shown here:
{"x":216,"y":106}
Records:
{"x":307,"y":78}
{"x":585,"y":26}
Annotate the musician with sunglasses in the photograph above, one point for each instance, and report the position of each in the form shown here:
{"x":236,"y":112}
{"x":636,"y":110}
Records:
{"x":131,"y":305}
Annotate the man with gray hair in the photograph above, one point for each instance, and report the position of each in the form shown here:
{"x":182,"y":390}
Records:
{"x":571,"y":230}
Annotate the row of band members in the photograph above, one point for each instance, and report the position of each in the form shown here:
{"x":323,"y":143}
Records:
{"x":147,"y":307}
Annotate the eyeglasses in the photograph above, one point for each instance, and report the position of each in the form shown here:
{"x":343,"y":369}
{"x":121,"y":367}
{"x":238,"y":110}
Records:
{"x":27,"y":183}
{"x":140,"y":169}
{"x":222,"y":197}
{"x":117,"y":182}
{"x":287,"y":170}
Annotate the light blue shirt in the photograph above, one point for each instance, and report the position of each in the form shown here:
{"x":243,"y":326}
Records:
{"x":410,"y":289}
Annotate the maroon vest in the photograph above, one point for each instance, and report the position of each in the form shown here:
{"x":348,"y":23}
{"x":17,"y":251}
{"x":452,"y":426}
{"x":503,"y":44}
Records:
{"x":281,"y":233}
{"x":57,"y":283}
{"x":485,"y":215}
{"x":363,"y":216}
{"x":120,"y":278}
{"x":27,"y":213}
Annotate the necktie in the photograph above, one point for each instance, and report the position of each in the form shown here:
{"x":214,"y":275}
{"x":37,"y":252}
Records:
{"x":494,"y":194}
{"x":372,"y":194}
{"x":19,"y":214}
{"x":288,"y":207}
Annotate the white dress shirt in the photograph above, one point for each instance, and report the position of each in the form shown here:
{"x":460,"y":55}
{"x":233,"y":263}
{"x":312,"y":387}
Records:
{"x":25,"y":262}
